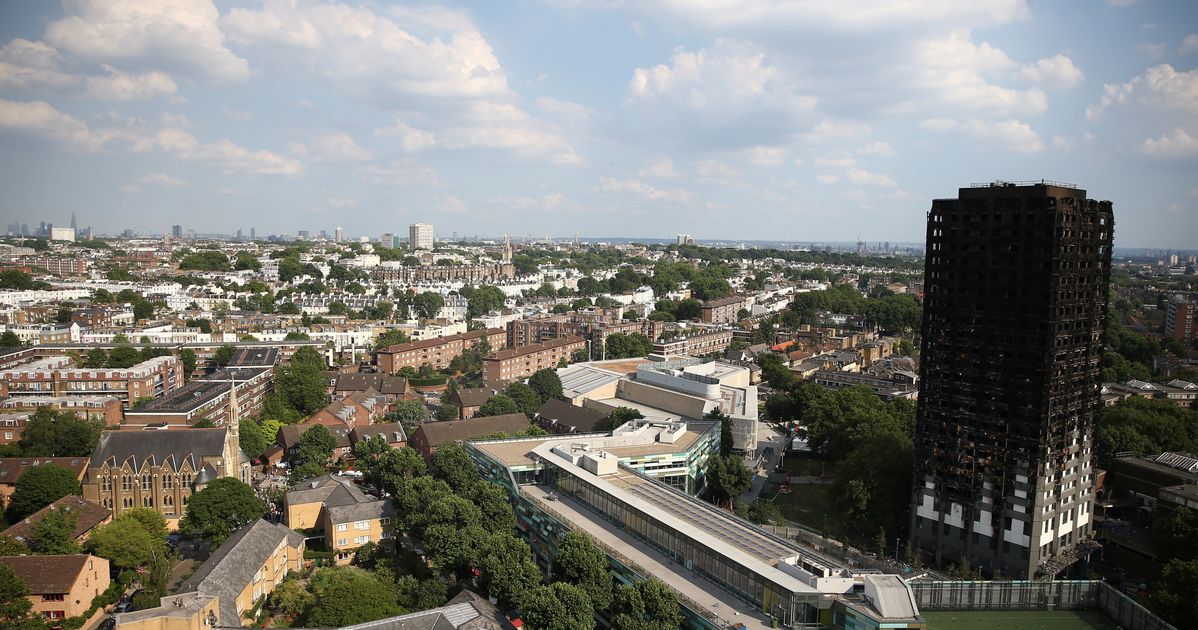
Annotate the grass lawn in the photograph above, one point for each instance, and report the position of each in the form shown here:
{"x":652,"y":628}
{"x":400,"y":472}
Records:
{"x":810,"y":505}
{"x":1019,"y":620}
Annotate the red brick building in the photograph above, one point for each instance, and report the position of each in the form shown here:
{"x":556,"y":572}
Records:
{"x":437,"y":352}
{"x":56,"y":377}
{"x":513,"y":364}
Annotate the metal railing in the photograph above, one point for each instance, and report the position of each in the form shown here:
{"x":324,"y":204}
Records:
{"x":1031,"y":182}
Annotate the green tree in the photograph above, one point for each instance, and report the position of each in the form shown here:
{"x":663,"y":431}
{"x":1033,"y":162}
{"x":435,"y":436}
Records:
{"x":507,"y":569}
{"x":15,"y":605}
{"x":224,"y":354}
{"x":316,"y":446}
{"x":9,"y":339}
{"x":727,"y":479}
{"x":873,"y":482}
{"x":395,"y":468}
{"x":482,"y":300}
{"x":143,"y":310}
{"x":837,"y":420}
{"x":345,"y":596}
{"x":390,"y":338}
{"x":526,"y":399}
{"x":252,"y":438}
{"x":290,"y":599}
{"x":546,"y":383}
{"x":447,"y":412}
{"x":409,"y":413}
{"x":1144,"y":427}
{"x":427,"y":304}
{"x":16,"y":279}
{"x":621,"y":346}
{"x":54,"y":534}
{"x":726,"y":440}
{"x":38,"y":487}
{"x":558,"y":606}
{"x":59,"y":434}
{"x":498,"y":405}
{"x":224,"y":506}
{"x":645,"y":605}
{"x":619,"y":417}
{"x":416,"y":595}
{"x":1175,"y":533}
{"x":581,"y":563}
{"x":208,"y":260}
{"x":1173,"y":595}
{"x":129,"y":541}
{"x":246,"y":260}
{"x":10,"y":546}
{"x":300,"y":384}
{"x":452,"y":465}
{"x":187,"y":357}
{"x":492,"y":500}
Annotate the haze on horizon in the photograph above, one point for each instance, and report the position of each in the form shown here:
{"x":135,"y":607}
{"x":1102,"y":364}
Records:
{"x":768,"y":120}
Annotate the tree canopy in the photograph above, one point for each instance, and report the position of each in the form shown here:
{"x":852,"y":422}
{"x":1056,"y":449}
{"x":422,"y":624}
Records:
{"x":546,"y":383}
{"x":38,"y":487}
{"x":50,"y":433}
{"x":224,"y":506}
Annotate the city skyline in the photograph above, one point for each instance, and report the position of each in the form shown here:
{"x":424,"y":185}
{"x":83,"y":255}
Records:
{"x":781,"y":121}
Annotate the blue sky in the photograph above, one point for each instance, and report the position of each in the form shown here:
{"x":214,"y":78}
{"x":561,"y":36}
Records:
{"x":762,"y":119}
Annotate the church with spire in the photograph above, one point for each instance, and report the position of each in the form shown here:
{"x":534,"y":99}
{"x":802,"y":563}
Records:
{"x":162,"y":468}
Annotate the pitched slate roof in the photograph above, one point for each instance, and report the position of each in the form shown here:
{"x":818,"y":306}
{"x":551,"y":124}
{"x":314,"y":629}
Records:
{"x":45,"y":575}
{"x":473,"y":396}
{"x":87,"y":516}
{"x":158,"y":448}
{"x":11,"y":468}
{"x":385,"y":383}
{"x":466,"y":611}
{"x":438,"y":433}
{"x":559,"y":416}
{"x":391,"y":431}
{"x":233,"y":565}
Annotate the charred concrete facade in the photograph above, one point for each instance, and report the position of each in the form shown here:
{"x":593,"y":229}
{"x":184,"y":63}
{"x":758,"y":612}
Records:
{"x":1015,"y":303}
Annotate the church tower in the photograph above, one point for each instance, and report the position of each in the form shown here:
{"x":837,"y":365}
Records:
{"x":235,"y":462}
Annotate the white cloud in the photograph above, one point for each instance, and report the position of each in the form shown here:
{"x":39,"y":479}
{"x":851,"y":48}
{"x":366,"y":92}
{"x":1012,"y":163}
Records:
{"x":341,"y":202}
{"x":239,"y":115}
{"x":827,"y":178}
{"x":37,"y":65}
{"x":371,"y":53}
{"x":166,"y":181}
{"x":332,"y":147}
{"x":494,"y":125}
{"x":1055,"y":71}
{"x":174,"y":35}
{"x":451,"y":205}
{"x":835,"y":162}
{"x":26,"y":64}
{"x":1160,"y":86}
{"x":839,"y":128}
{"x":729,"y":75}
{"x":1188,"y":45}
{"x":130,"y":188}
{"x":724,"y":15}
{"x":1015,"y":135}
{"x":765,"y":156}
{"x":548,"y":201}
{"x":1179,"y":143}
{"x":881,"y":149}
{"x":643,"y":190}
{"x":1152,"y":51}
{"x":405,"y":172}
{"x":565,"y":111}
{"x":714,"y":169}
{"x":954,"y":70}
{"x":862,"y":176}
{"x":42,"y":118}
{"x":661,"y":169}
{"x":123,"y":86}
{"x":410,"y":138}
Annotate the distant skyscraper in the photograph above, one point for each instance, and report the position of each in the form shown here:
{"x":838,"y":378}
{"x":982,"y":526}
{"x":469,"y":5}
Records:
{"x":1015,"y":301}
{"x":420,"y":236}
{"x":74,"y":225}
{"x":303,"y":235}
{"x":387,"y":240}
{"x":684,"y":239}
{"x":177,"y":231}
{"x":338,"y":234}
{"x":253,"y":234}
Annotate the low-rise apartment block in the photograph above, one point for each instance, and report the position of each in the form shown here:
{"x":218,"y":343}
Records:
{"x":514,"y":364}
{"x":348,"y":517}
{"x":437,"y":352}
{"x":242,"y":571}
{"x":57,"y":377}
{"x":207,"y":398}
{"x":724,"y":310}
{"x":696,"y":344}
